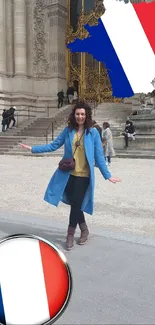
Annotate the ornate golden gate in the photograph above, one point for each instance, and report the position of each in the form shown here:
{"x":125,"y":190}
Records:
{"x":88,"y":76}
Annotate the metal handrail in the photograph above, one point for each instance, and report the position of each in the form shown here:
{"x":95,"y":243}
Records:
{"x":52,"y":127}
{"x":28,"y":109}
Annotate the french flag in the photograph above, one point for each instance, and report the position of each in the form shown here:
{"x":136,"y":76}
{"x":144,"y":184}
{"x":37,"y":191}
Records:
{"x":124,"y":40}
{"x":34,"y":281}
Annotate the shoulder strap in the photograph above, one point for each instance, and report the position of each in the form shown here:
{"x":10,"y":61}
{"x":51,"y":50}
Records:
{"x":77,"y":146}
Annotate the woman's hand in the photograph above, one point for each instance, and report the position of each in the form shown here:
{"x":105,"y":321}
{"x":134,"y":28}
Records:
{"x":114,"y":180}
{"x":25,"y":146}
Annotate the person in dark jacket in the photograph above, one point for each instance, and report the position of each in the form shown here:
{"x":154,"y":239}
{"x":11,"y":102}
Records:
{"x":70,"y":94}
{"x":99,"y":129}
{"x":4,"y":120}
{"x":60,"y":96}
{"x":129,"y":132}
{"x":11,"y":116}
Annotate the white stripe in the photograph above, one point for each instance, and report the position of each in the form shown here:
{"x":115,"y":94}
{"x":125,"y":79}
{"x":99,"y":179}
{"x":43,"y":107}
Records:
{"x":22,"y":282}
{"x":130,"y":43}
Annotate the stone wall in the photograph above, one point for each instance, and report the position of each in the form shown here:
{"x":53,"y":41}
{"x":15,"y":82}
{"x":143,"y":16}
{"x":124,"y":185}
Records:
{"x":32,"y":52}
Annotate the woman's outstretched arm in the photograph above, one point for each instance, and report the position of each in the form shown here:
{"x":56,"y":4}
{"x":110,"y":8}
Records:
{"x":53,"y":146}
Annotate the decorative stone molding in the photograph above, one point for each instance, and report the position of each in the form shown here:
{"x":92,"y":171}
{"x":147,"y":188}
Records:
{"x":57,"y":17}
{"x":57,"y":13}
{"x":56,"y":56}
{"x":58,"y":4}
{"x":58,"y":64}
{"x":56,"y":21}
{"x":40,"y":64}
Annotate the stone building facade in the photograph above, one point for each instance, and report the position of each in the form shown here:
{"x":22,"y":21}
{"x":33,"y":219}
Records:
{"x":32,"y":51}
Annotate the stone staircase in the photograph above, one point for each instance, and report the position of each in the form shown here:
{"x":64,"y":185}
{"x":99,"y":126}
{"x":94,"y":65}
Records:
{"x":33,"y":132}
{"x":114,"y":113}
{"x":144,"y":145}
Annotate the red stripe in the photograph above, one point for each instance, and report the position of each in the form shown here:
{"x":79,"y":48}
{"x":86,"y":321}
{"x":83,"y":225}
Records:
{"x":146,"y":15}
{"x":56,"y":278}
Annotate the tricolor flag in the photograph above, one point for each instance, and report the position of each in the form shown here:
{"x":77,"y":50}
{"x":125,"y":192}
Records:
{"x":124,"y":41}
{"x":35,"y":282}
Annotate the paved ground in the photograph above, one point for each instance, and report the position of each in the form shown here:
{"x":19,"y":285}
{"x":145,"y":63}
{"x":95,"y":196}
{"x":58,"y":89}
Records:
{"x":113,"y":278}
{"x":128,"y":206}
{"x":113,"y":274}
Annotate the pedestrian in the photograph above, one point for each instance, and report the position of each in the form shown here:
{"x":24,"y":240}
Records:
{"x":70,"y":94}
{"x":75,"y":98}
{"x":4,"y":120}
{"x":108,"y":145}
{"x":98,"y":128}
{"x":11,"y":117}
{"x":129,"y":132}
{"x":60,"y":96}
{"x":73,"y":181}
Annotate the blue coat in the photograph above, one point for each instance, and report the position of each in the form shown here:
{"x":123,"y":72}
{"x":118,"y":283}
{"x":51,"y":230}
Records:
{"x":94,"y":152}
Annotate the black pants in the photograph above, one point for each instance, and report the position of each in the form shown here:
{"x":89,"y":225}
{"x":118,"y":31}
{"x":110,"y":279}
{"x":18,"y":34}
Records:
{"x":9,"y":121}
{"x":126,"y":140}
{"x":75,"y":191}
{"x":60,"y":103}
{"x":14,"y":121}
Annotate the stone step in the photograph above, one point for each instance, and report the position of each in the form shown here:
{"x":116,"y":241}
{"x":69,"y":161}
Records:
{"x":21,"y":151}
{"x":112,"y":109}
{"x":32,"y":155}
{"x":137,"y":154}
{"x":11,"y":138}
{"x":141,"y":142}
{"x":112,"y":113}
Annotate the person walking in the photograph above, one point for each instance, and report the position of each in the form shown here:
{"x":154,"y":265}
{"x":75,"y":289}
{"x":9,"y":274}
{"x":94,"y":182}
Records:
{"x":70,"y":94}
{"x":73,"y":181}
{"x":4,"y":120}
{"x":98,"y":128}
{"x":60,"y":96}
{"x":108,"y":145}
{"x":11,"y":117}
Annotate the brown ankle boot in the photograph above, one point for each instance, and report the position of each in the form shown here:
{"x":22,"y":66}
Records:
{"x":84,"y":233}
{"x":70,"y":238}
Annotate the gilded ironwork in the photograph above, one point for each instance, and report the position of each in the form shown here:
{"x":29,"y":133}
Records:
{"x":91,"y":76}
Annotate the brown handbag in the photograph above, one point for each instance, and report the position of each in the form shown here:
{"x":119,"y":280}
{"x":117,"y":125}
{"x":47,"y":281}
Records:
{"x":69,"y":163}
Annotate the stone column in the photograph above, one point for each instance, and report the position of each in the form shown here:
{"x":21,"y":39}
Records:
{"x":57,"y":15}
{"x":9,"y":37}
{"x":2,"y":38}
{"x":20,"y":50}
{"x":30,"y":35}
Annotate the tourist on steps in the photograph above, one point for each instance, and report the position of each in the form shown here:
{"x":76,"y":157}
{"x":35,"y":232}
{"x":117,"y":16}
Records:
{"x":70,"y":94}
{"x":73,"y":181}
{"x":98,"y":128}
{"x":129,"y":132}
{"x":4,"y":120}
{"x":108,"y":142}
{"x":11,"y":117}
{"x":60,"y":96}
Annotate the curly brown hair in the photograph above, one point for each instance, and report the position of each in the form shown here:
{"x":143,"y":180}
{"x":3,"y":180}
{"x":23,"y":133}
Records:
{"x":88,"y":122}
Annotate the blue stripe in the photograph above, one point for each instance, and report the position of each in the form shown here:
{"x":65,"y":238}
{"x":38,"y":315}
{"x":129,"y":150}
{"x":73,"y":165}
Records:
{"x":99,"y":45}
{"x":2,"y":314}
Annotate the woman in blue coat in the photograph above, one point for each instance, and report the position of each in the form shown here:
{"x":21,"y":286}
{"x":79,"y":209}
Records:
{"x":76,"y":186}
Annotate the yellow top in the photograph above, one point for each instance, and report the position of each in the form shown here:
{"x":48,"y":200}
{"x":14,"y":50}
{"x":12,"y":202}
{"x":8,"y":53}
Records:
{"x":81,"y":163}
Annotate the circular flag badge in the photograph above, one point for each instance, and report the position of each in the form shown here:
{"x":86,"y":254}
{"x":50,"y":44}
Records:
{"x":35,"y":281}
